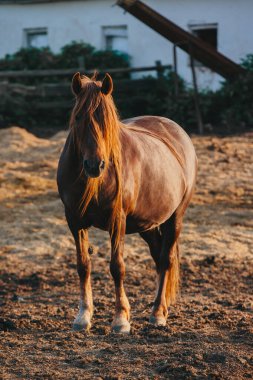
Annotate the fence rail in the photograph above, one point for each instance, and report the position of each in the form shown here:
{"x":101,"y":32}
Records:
{"x":59,"y":93}
{"x":159,"y":68}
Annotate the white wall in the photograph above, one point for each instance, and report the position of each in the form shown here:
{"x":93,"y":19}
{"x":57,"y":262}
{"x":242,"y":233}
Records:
{"x":82,"y":20}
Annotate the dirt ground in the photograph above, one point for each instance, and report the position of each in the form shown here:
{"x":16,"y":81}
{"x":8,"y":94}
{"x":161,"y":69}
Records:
{"x":209,"y":334}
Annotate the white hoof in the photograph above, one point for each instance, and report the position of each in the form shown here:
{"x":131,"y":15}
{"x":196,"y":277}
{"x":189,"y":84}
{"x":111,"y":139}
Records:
{"x":82,"y":322}
{"x":157,"y":321}
{"x":121,"y":326}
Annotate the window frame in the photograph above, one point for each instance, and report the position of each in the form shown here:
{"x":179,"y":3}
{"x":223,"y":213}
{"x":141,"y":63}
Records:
{"x":114,"y":31}
{"x":34,"y":31}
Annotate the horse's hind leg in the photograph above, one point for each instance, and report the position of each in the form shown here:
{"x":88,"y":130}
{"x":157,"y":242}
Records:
{"x":154,"y":240}
{"x":168,"y":270}
{"x":83,"y":318}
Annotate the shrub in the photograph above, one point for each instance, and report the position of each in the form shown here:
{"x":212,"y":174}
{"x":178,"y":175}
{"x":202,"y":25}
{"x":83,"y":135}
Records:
{"x":237,"y":98}
{"x":73,"y":55}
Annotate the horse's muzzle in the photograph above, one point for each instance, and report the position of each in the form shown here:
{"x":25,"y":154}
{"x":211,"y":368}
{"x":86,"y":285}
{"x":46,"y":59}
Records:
{"x":93,"y":167}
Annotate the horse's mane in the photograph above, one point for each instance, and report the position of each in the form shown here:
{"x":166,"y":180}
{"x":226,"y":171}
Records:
{"x":99,"y":110}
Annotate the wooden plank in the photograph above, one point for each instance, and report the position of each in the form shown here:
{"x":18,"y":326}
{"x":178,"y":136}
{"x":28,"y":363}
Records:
{"x":200,"y":50}
{"x":70,"y":72}
{"x":43,"y":90}
{"x":54,"y":91}
{"x":196,"y":98}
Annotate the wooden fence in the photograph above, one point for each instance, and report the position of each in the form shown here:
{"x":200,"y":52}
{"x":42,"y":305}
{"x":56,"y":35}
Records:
{"x":49,"y":100}
{"x":60,"y":91}
{"x":6,"y":75}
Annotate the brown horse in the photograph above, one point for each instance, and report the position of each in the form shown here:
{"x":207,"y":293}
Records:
{"x":124,"y":177}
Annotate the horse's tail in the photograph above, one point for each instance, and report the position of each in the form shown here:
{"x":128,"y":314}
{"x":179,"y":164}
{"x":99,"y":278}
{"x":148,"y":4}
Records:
{"x":172,"y":287}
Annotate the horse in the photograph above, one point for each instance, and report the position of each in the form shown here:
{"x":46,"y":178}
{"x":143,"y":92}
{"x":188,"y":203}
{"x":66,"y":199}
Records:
{"x":131,"y":176}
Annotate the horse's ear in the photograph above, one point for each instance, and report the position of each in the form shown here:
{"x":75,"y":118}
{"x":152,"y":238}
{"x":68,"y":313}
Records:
{"x":107,"y":85}
{"x":76,"y":84}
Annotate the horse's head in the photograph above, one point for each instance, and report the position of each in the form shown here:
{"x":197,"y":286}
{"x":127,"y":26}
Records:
{"x":93,"y":120}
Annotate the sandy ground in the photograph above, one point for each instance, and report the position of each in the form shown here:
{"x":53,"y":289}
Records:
{"x":209,"y":334}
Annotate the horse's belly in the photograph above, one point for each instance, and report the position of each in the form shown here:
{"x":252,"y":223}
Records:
{"x":150,"y":216}
{"x":135,"y":225}
{"x":160,"y":193}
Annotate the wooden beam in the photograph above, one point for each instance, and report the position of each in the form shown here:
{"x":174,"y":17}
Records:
{"x":200,"y":50}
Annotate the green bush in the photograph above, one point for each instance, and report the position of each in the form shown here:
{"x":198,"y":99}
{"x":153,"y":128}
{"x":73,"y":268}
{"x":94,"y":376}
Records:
{"x":237,"y":98}
{"x":28,"y":59}
{"x":231,"y":107}
{"x":73,"y":55}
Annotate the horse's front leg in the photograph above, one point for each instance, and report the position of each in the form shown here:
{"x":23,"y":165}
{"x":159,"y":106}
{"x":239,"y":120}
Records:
{"x":120,"y":322}
{"x":83,"y":318}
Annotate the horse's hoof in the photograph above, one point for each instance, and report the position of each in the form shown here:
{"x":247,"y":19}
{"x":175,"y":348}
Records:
{"x":78,"y":327}
{"x":157,"y":321}
{"x":81,"y":323}
{"x":81,"y":327}
{"x":121,"y":326}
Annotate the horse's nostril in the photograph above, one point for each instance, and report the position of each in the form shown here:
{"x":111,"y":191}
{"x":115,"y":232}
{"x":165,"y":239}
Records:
{"x":102,"y":164}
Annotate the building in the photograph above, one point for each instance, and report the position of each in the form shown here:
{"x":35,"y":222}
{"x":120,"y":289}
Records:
{"x":225,"y":24}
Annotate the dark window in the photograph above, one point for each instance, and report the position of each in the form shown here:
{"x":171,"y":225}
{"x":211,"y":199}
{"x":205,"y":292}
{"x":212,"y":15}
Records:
{"x":209,"y":35}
